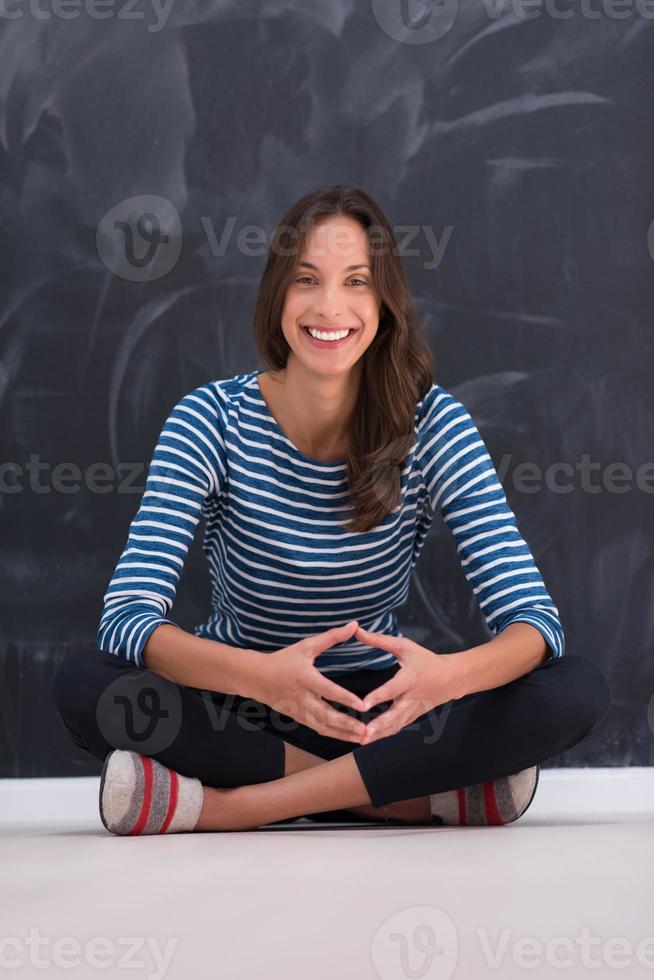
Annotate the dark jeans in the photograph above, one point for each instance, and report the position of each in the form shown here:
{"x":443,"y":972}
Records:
{"x":227,"y":740}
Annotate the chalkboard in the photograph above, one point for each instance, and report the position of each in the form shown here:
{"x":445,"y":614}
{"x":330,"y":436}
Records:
{"x":513,"y":151}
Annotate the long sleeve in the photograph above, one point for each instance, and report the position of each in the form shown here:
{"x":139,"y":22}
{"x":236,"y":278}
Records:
{"x":187,"y":467}
{"x":463,"y":485}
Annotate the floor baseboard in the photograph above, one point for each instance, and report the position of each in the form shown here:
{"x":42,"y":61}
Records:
{"x":597,"y":791}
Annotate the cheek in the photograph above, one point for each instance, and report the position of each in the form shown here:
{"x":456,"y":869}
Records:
{"x":370,"y":311}
{"x":292,"y":310}
{"x":370,"y":317}
{"x":366,"y":341}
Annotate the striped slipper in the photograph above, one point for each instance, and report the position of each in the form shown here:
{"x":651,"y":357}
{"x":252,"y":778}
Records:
{"x":495,"y":802}
{"x":139,"y":795}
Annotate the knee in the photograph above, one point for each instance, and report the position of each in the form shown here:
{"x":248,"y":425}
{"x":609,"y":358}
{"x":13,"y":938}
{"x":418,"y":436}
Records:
{"x":68,"y":684}
{"x":588,"y":692}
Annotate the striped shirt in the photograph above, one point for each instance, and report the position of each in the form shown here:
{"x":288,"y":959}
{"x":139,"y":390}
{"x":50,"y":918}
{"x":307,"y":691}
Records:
{"x":281,"y":565}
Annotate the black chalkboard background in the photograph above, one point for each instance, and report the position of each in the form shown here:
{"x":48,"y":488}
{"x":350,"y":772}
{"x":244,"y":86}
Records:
{"x":524,"y":146}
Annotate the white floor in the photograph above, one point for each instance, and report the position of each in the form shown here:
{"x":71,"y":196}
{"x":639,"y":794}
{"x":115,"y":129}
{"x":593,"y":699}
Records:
{"x":566,"y":891}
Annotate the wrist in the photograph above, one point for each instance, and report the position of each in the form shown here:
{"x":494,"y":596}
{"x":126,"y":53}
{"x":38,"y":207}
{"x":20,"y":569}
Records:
{"x":459,"y":674}
{"x":251,"y":674}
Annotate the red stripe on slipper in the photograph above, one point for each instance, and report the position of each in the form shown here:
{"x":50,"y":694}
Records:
{"x":493,"y":816}
{"x":140,"y":825}
{"x":172,"y":800}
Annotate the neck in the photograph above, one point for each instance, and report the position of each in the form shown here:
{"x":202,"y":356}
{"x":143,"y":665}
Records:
{"x":316,"y":407}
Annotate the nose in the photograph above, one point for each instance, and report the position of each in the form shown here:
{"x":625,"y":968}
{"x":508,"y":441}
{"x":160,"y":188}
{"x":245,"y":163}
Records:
{"x":330,"y":301}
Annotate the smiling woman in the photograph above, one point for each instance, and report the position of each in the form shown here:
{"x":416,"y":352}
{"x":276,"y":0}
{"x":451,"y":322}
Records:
{"x":309,"y":556}
{"x":332,"y":266}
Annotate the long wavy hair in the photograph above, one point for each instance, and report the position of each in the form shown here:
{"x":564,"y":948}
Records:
{"x":397,"y":367}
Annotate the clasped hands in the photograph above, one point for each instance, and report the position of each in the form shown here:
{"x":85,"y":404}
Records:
{"x":424,"y":681}
{"x":289,"y":682}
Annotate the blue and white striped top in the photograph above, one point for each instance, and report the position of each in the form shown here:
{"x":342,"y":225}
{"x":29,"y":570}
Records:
{"x":281,"y":565}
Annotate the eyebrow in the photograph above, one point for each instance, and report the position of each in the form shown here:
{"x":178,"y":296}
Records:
{"x":349,"y":268}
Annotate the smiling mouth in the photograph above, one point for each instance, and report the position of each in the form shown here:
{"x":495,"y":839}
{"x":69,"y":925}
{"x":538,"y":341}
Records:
{"x":334,"y":330}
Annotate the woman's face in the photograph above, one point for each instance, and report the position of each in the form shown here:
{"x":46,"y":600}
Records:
{"x":332,"y":291}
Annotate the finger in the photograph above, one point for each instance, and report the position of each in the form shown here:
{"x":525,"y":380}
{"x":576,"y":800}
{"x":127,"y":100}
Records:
{"x":394,"y":644}
{"x":385,"y":692}
{"x":322,"y":641}
{"x":334,"y":692}
{"x":342,"y":734}
{"x":341,"y":721}
{"x":391,"y":722}
{"x":336,"y":720}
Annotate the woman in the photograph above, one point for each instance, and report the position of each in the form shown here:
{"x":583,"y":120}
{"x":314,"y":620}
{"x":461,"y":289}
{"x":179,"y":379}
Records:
{"x":318,"y":479}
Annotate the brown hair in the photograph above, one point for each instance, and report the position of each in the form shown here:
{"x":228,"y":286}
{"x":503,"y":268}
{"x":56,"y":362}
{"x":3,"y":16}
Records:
{"x":397,"y":367}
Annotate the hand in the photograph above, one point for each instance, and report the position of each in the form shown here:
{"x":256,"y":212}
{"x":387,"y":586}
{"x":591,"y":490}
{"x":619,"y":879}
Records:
{"x":424,"y":680}
{"x":289,"y":682}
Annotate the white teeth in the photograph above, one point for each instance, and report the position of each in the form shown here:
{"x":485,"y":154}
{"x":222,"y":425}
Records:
{"x":331,"y":335}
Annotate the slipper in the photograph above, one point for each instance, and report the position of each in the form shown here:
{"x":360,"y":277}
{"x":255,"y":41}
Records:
{"x":492,"y":803}
{"x":139,"y":795}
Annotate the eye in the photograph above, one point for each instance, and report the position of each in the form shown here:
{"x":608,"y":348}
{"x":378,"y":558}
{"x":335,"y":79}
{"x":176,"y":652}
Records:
{"x":311,"y":279}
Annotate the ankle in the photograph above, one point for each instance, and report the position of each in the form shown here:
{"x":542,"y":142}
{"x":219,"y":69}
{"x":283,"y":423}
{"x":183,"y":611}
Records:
{"x":413,"y":811}
{"x":215,"y":812}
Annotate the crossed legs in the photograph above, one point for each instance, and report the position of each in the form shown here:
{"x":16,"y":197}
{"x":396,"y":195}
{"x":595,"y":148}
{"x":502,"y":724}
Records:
{"x":304,"y":789}
{"x":253,"y":774}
